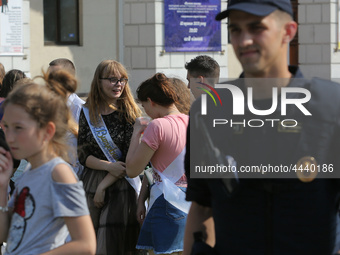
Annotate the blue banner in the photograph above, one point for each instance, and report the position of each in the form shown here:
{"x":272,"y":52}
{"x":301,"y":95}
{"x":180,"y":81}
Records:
{"x":191,"y":26}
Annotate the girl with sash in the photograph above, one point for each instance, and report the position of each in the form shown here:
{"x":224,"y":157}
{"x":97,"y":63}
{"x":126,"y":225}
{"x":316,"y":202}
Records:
{"x":163,"y":144}
{"x":105,"y":129}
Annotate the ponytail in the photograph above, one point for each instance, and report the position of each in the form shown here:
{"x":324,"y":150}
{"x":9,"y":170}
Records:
{"x":61,"y":82}
{"x":47,"y":103}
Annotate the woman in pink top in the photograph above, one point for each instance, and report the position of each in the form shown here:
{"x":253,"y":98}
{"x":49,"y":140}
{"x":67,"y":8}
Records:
{"x":162,"y":144}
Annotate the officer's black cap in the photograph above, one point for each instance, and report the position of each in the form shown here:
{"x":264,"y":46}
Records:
{"x":256,"y":7}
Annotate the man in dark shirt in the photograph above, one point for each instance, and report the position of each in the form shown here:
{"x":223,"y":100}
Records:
{"x":286,"y":212}
{"x":202,"y":71}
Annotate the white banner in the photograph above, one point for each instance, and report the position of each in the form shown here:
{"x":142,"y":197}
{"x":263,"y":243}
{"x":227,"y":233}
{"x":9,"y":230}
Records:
{"x":11,"y":27}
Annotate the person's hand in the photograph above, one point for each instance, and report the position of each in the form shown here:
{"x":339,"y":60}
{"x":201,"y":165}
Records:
{"x":6,"y":167}
{"x":117,"y":169}
{"x":99,"y":197}
{"x":141,"y":212}
{"x":140,"y":124}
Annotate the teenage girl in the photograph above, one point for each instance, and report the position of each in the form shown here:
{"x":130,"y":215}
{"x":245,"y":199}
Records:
{"x":162,"y":144}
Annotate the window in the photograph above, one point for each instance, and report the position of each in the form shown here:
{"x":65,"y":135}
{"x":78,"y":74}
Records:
{"x":61,"y":22}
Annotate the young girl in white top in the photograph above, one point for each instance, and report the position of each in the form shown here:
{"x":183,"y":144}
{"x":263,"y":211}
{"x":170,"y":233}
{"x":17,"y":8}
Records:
{"x":48,"y":202}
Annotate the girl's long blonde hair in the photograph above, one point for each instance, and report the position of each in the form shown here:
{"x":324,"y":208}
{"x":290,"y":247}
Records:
{"x":126,"y":105}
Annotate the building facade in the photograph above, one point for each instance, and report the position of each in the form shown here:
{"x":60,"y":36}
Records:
{"x":132,"y":32}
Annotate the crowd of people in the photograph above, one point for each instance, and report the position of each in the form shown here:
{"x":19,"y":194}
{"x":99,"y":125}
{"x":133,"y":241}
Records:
{"x":99,"y":139}
{"x":113,"y":174}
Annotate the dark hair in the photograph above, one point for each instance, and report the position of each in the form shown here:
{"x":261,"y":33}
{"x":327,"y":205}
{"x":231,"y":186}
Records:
{"x":205,"y":66}
{"x":10,"y":78}
{"x":47,"y":103}
{"x":2,"y":73}
{"x":64,"y":63}
{"x":159,"y":88}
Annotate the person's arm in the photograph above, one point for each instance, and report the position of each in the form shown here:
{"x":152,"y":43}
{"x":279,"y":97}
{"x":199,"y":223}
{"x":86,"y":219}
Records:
{"x":141,"y":210}
{"x":117,"y":169}
{"x":199,"y":220}
{"x":139,"y":154}
{"x":6,"y":168}
{"x":4,"y":216}
{"x":80,"y":227}
{"x":85,"y":151}
{"x":82,"y":235}
{"x":100,"y":192}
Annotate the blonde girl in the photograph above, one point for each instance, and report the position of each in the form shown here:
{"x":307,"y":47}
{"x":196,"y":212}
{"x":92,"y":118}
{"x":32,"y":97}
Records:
{"x":105,"y":129}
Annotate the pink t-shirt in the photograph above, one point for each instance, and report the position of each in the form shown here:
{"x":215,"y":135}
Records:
{"x":167,"y":137}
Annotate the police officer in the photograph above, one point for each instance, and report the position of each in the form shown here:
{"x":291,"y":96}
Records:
{"x":282,"y":213}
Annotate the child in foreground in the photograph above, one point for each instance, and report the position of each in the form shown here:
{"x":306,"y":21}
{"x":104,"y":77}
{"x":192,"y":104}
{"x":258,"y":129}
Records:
{"x":49,"y":201}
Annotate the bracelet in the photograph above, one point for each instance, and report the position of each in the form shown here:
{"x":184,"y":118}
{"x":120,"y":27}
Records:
{"x":4,"y":209}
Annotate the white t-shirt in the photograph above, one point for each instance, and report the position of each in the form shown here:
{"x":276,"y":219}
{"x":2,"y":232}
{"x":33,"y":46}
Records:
{"x":75,"y":104}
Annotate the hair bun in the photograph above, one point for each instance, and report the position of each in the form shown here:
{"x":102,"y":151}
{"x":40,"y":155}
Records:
{"x":61,"y":82}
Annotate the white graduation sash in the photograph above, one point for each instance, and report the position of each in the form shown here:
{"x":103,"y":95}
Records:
{"x":109,"y":148}
{"x":172,"y":193}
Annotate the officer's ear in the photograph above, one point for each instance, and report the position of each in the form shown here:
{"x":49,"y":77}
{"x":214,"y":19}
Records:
{"x":290,"y":29}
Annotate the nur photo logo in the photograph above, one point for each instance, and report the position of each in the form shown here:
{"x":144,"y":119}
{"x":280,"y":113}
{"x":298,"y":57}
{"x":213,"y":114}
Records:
{"x":280,"y":99}
{"x":208,"y":92}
